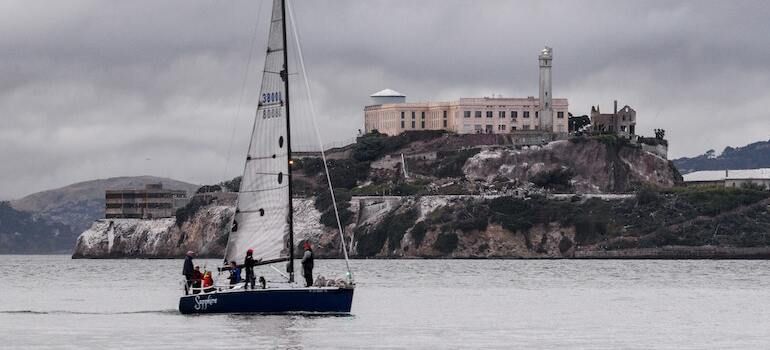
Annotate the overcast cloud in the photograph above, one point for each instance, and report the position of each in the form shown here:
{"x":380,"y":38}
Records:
{"x":93,"y":89}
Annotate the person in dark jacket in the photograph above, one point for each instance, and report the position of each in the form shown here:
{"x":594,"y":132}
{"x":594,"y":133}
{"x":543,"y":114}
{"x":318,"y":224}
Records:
{"x":235,"y":274}
{"x":187,"y":271}
{"x":248,"y":265}
{"x":307,"y":264}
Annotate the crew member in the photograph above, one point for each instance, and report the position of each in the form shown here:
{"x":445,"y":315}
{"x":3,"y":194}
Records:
{"x":235,"y":274}
{"x":208,"y":282}
{"x":187,"y":271}
{"x":307,"y":264}
{"x":248,"y":264}
{"x":197,"y":277}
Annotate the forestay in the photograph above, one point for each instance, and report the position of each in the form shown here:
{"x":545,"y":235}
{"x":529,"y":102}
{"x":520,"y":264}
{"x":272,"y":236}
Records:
{"x":262,"y":216}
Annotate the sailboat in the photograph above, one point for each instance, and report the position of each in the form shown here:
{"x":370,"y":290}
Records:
{"x":263,"y":220}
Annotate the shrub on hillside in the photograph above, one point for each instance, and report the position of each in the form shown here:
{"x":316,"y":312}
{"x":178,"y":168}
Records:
{"x":450,"y":163}
{"x":345,"y":173}
{"x":556,"y":179}
{"x":375,"y":144}
{"x":418,"y":232}
{"x":391,"y":229}
{"x":323,"y":203}
{"x":187,"y":212}
{"x":209,"y":189}
{"x":715,"y":200}
{"x":446,"y":242}
{"x":233,"y":185}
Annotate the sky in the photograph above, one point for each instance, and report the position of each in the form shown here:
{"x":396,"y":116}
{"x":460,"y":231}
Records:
{"x":93,"y":89}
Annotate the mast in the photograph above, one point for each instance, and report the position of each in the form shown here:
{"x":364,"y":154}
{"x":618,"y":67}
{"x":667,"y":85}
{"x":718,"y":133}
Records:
{"x":285,"y":77}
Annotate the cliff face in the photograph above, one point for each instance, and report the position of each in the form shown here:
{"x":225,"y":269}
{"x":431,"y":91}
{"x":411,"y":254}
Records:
{"x":594,"y":167}
{"x":205,"y":233}
{"x":736,"y":221}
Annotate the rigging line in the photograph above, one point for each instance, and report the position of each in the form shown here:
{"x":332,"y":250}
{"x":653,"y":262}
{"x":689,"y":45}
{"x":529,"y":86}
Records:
{"x":243,"y":91}
{"x":290,"y":9}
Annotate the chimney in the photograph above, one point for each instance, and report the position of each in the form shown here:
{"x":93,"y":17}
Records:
{"x":727,"y":173}
{"x":616,"y":106}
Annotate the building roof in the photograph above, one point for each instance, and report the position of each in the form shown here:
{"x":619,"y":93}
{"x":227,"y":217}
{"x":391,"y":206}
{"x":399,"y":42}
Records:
{"x":719,"y":175}
{"x":387,"y":93}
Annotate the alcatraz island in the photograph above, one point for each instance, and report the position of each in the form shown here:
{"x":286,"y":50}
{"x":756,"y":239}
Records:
{"x":488,"y":177}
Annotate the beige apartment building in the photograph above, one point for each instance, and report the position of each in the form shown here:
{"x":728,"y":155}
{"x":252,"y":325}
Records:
{"x":392,"y":115}
{"x":488,"y":115}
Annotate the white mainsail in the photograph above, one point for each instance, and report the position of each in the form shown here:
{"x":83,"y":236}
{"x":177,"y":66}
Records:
{"x":262,"y":219}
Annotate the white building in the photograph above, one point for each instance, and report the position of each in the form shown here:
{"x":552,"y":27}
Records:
{"x":391,"y":114}
{"x":729,"y":178}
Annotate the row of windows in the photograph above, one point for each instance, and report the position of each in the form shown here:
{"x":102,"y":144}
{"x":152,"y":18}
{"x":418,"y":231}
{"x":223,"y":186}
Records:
{"x":514,"y":114}
{"x":489,"y":127}
{"x":422,"y":115}
{"x":422,"y":124}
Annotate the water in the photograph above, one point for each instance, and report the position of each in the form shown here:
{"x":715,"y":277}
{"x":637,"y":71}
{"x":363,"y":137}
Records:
{"x":52,"y":302}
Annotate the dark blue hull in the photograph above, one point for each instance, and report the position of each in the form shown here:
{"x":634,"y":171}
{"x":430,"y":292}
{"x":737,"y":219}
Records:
{"x":270,"y":301}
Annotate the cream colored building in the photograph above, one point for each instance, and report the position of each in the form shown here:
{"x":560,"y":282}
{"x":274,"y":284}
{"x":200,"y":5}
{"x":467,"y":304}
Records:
{"x":494,"y":115}
{"x":392,"y":115}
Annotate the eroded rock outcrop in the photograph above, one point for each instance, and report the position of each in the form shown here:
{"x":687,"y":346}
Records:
{"x":594,"y":166}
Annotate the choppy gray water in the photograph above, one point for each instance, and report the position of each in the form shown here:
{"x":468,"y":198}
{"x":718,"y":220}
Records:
{"x":55,"y":302}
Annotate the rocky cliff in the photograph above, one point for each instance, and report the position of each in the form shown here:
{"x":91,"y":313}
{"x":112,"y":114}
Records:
{"x":205,"y":233}
{"x":591,"y":166}
{"x":464,"y":200}
{"x":737,"y":221}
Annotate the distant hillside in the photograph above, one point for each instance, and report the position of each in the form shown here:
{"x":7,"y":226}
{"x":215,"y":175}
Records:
{"x":21,"y":232}
{"x":78,"y":205}
{"x":755,"y":155}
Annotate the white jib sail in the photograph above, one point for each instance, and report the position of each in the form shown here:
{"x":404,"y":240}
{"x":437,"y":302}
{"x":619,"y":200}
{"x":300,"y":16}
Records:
{"x":261,"y":219}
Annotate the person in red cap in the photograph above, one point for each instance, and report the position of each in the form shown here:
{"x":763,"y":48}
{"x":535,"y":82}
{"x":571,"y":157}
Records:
{"x":248,"y":265}
{"x":307,"y":264}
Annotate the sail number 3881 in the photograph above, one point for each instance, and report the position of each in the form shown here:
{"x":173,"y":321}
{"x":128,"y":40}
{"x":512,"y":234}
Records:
{"x":271,"y":97}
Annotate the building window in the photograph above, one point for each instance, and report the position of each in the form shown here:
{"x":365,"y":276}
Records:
{"x":489,"y":114}
{"x":478,"y":114}
{"x":412,"y":115}
{"x":514,"y":114}
{"x":402,"y":124}
{"x":477,"y":128}
{"x":537,"y":114}
{"x":445,"y":123}
{"x":489,"y":129}
{"x":467,"y":114}
{"x":513,"y":127}
{"x":422,"y":124}
{"x":444,"y":114}
{"x":422,"y":115}
{"x":402,"y":115}
{"x":413,"y":124}
{"x":526,"y":114}
{"x":501,"y":114}
{"x":560,"y":115}
{"x":501,"y":127}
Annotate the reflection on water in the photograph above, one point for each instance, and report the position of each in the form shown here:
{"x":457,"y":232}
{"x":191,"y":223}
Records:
{"x":131,"y":304}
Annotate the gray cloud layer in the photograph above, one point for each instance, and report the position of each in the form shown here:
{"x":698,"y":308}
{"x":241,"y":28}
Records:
{"x":92,"y":89}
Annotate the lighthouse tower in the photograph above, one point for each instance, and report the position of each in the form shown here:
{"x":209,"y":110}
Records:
{"x":546,"y":108}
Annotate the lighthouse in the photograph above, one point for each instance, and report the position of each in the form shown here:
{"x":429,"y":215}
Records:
{"x":546,"y":107}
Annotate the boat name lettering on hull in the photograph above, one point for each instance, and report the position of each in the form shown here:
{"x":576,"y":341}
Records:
{"x":203,"y":304}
